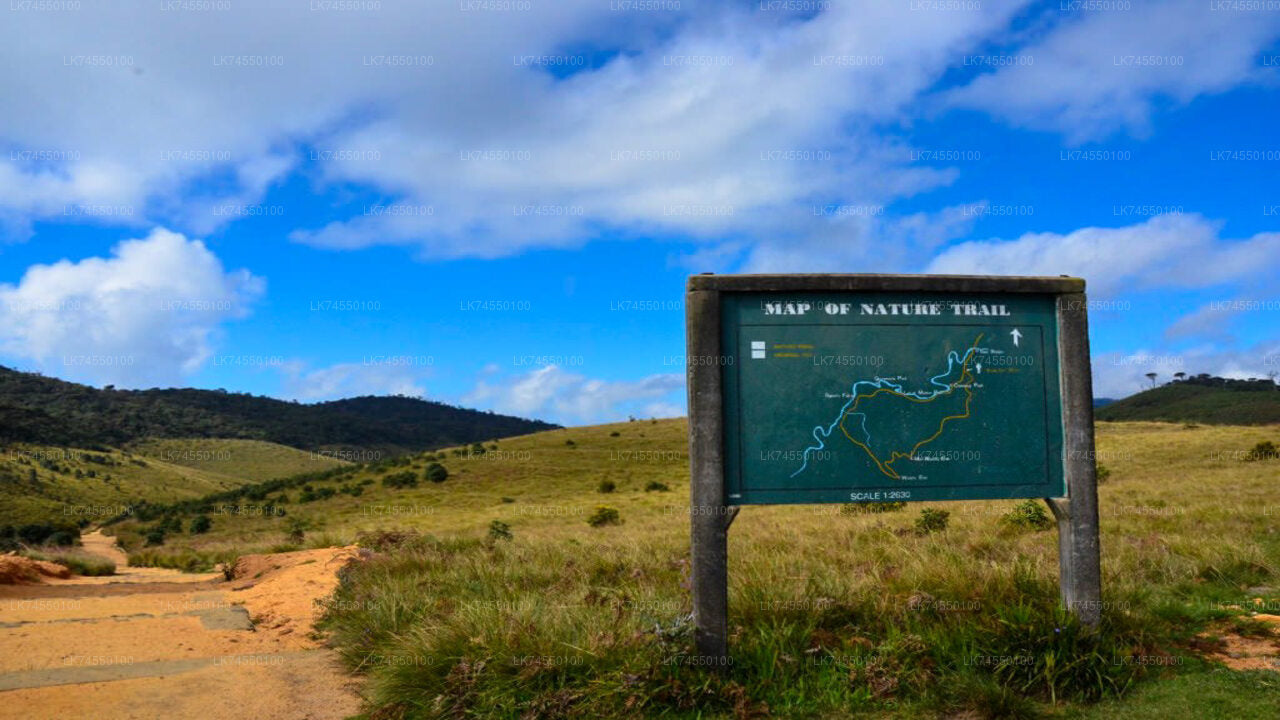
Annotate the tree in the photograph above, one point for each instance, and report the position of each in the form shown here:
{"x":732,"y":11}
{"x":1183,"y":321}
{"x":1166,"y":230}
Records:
{"x":1152,"y":377}
{"x":1179,"y":376}
{"x":200,"y":524}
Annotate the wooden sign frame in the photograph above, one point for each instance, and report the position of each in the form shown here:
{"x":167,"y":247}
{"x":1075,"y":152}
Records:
{"x":1079,"y":552}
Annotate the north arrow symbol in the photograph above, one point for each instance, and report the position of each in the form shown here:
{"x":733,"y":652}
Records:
{"x":1014,"y":332}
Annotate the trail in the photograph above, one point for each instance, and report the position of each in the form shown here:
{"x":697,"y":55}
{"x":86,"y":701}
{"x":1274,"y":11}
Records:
{"x":877,"y":385}
{"x":158,"y":643}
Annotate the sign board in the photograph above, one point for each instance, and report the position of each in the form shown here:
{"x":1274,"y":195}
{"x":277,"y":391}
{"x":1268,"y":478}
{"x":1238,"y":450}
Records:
{"x":866,"y":397}
{"x":866,"y":388}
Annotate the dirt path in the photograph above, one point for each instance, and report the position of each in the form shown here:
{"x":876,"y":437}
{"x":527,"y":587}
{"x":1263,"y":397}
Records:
{"x":156,"y":643}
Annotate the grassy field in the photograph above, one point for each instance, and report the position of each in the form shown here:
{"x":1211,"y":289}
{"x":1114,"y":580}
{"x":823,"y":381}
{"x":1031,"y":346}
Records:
{"x":43,"y":484}
{"x":511,"y":604}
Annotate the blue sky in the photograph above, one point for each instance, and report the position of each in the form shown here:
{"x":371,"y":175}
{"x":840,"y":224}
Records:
{"x":498,"y":208}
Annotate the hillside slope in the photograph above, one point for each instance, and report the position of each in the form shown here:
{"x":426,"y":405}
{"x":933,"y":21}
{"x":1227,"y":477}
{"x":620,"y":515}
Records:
{"x":43,"y":484}
{"x":48,"y":411}
{"x":1188,"y":402}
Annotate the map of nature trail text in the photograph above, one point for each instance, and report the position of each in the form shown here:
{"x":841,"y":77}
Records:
{"x":883,"y":386}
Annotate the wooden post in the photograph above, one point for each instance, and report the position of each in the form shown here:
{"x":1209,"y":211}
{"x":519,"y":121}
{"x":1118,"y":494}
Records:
{"x":709,"y":518}
{"x":1079,"y":553}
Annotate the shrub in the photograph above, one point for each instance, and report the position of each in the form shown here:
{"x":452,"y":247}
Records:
{"x":78,"y":563}
{"x":186,"y":560}
{"x":1030,"y":515}
{"x":296,"y":528}
{"x":1265,"y":450}
{"x":615,"y":433}
{"x":606,"y":486}
{"x":384,"y":540}
{"x":655,"y":486}
{"x":437,"y":473}
{"x":570,"y":443}
{"x":154,"y":536}
{"x":477,"y":449}
{"x":48,"y":534}
{"x":870,"y":508}
{"x":400,"y":480}
{"x":932,"y":520}
{"x":508,"y":499}
{"x":200,"y":524}
{"x":499,"y":530}
{"x":604,"y":515}
{"x":1103,"y":472}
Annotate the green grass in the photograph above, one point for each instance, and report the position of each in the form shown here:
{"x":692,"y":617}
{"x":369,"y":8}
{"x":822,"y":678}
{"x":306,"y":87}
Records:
{"x":248,"y":461}
{"x":184,"y":560}
{"x":833,"y":612}
{"x":79,"y":563}
{"x":91,"y":486}
{"x":1211,"y":694}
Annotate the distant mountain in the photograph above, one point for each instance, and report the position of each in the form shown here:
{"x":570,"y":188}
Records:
{"x":1201,"y":399}
{"x":48,"y":411}
{"x":1102,"y":402}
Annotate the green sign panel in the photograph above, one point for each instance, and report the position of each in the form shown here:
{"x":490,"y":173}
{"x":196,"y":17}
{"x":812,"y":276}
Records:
{"x":878,"y":397}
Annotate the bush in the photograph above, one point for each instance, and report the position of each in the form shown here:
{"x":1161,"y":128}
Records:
{"x":296,"y":528}
{"x":78,"y":563}
{"x":46,"y":534}
{"x":508,"y":499}
{"x":570,"y":443}
{"x":499,"y":530}
{"x":154,"y":536}
{"x":437,"y":473}
{"x":1265,"y":450}
{"x":655,"y":486}
{"x":870,"y":508}
{"x":384,"y":540}
{"x":606,"y":486}
{"x":400,"y":480}
{"x":186,"y":560}
{"x":200,"y":524}
{"x":477,"y":449}
{"x":1103,"y":472}
{"x":604,"y":515}
{"x":1030,"y":515}
{"x":932,"y":520}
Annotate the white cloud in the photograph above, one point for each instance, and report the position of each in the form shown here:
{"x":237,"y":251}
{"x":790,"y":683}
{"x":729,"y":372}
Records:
{"x":1208,"y":321}
{"x":150,"y":313}
{"x":1107,"y":71}
{"x":671,"y":134}
{"x":345,"y":380}
{"x":552,"y":393}
{"x":854,"y":238}
{"x":1166,"y":251}
{"x":1117,"y":375}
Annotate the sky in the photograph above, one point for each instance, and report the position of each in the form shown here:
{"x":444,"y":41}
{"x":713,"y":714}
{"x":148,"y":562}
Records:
{"x":496,"y":203}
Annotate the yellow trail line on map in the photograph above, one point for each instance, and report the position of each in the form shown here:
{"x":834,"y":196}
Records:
{"x":886,"y":466}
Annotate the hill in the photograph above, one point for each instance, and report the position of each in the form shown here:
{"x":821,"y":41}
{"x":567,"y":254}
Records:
{"x":61,"y":485}
{"x":509,"y":601}
{"x":1224,"y":403}
{"x":47,"y":411}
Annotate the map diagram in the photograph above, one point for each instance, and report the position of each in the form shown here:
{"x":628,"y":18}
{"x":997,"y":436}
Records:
{"x":852,"y":421}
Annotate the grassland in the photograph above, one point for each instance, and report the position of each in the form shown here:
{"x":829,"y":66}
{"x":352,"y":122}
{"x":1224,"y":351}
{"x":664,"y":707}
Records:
{"x":43,"y":483}
{"x":833,"y":612}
